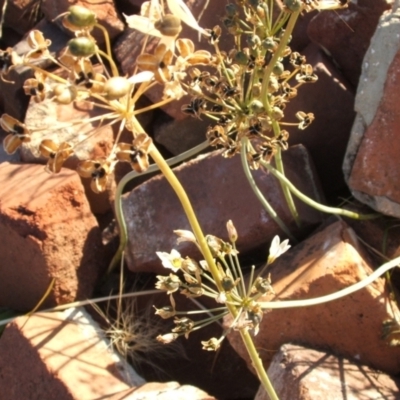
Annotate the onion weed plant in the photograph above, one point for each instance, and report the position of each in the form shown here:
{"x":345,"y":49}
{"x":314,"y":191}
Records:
{"x":243,"y":92}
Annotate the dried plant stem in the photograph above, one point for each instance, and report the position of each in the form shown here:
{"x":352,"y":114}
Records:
{"x":312,"y":203}
{"x":270,"y":210}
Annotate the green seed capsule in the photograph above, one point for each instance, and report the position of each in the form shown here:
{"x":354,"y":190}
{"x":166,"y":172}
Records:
{"x":241,"y":58}
{"x":169,"y":25}
{"x":278,"y":69}
{"x":293,"y":5}
{"x":80,"y":17}
{"x":82,"y":47}
{"x":231,"y":10}
{"x":256,"y":107}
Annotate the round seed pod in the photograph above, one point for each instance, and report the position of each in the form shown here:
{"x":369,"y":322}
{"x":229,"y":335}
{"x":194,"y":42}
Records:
{"x":79,"y":18}
{"x":81,"y":47}
{"x":278,"y":69}
{"x":64,"y":94}
{"x":293,"y":5}
{"x":256,"y":106}
{"x":169,"y":25}
{"x":116,"y":87}
{"x":231,"y":10}
{"x":269,"y":43}
{"x":241,"y":58}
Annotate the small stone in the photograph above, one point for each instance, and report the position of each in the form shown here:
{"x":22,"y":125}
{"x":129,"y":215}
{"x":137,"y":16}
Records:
{"x":61,"y":355}
{"x":326,"y":138}
{"x":330,"y":260}
{"x":371,"y":165}
{"x":21,"y":15}
{"x":164,"y":391}
{"x":350,"y":28}
{"x":300,"y":373}
{"x":46,"y":231}
{"x":178,"y":136}
{"x":219,"y":191}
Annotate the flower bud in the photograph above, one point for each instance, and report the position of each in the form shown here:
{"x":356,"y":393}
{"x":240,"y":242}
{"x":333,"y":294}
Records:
{"x":232,"y":233}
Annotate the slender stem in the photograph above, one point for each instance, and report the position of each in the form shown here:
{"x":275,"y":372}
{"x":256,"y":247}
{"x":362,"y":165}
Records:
{"x":334,"y":296}
{"x":82,"y":303}
{"x":313,"y":203}
{"x":270,"y":210}
{"x":107,"y":41}
{"x":114,"y":68}
{"x":286,"y":192}
{"x":282,"y":45}
{"x":275,"y":125}
{"x":123,"y":234}
{"x":257,"y":364}
{"x":170,"y":176}
{"x":197,"y":231}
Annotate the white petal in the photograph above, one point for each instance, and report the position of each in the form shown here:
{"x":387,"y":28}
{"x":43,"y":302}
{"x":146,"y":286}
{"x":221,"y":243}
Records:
{"x":181,"y":10}
{"x":144,"y":76}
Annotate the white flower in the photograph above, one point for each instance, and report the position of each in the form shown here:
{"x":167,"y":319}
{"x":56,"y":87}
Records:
{"x":171,"y":260}
{"x":185,"y":236}
{"x":277,"y":248}
{"x":167,"y":338}
{"x":221,"y":298}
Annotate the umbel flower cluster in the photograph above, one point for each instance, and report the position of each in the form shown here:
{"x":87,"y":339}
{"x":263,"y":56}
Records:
{"x":193,"y":279}
{"x":243,"y":91}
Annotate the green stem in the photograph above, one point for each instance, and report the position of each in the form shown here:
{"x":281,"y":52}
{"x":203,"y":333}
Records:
{"x":114,"y":68}
{"x":123,"y":234}
{"x":191,"y":216}
{"x":270,"y":210}
{"x":107,"y":40}
{"x":312,"y":203}
{"x":264,"y":96}
{"x":180,"y":192}
{"x":286,"y":192}
{"x":334,"y":296}
{"x":257,"y":364}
